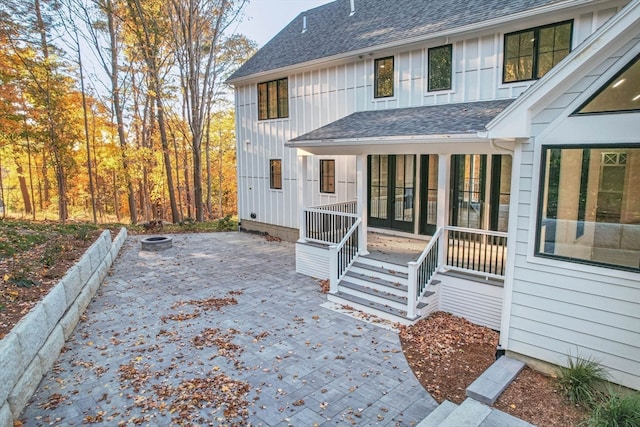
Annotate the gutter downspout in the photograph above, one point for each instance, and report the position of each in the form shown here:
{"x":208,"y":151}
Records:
{"x":507,"y":297}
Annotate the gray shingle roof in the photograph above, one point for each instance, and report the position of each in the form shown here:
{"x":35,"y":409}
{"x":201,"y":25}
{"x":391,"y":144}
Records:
{"x":464,"y":118}
{"x":331,"y":31}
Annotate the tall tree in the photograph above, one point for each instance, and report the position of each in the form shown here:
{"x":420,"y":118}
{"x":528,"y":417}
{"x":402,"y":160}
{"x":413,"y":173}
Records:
{"x":202,"y":51}
{"x":147,"y":23}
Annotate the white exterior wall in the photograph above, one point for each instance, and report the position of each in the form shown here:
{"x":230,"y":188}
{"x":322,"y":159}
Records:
{"x":324,"y":94}
{"x":561,"y":308}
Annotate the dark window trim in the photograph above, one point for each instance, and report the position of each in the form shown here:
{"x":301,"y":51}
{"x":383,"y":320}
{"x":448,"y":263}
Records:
{"x":541,"y":188}
{"x":450,"y":46}
{"x":375,"y":77}
{"x":281,"y":111}
{"x":602,"y":89}
{"x":272,"y":175}
{"x":332,"y":177}
{"x":534,"y":65}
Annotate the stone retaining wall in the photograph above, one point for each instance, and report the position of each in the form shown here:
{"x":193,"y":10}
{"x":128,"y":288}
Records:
{"x":29,"y":351}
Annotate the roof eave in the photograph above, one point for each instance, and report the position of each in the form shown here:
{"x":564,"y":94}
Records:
{"x":412,"y":41}
{"x":381,"y":140}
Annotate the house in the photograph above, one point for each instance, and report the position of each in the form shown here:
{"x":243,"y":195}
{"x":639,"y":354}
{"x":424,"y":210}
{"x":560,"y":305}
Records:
{"x":503,"y":137}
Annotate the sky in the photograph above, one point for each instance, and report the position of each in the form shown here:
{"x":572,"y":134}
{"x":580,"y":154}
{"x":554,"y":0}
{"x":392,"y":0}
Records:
{"x":265,"y":18}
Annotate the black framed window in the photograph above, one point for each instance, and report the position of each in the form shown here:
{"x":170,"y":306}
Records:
{"x":621,"y":94}
{"x":531,"y":53}
{"x":440,"y":70}
{"x":383,"y":77}
{"x":273,"y":99}
{"x":589,"y":207}
{"x":275,"y":174}
{"x":327,"y":176}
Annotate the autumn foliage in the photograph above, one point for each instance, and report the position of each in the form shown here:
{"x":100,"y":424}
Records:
{"x":95,"y":120}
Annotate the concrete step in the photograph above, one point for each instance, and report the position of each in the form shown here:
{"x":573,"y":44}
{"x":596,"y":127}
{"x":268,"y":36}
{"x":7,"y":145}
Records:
{"x":470,"y":413}
{"x":488,"y":386}
{"x":439,"y":414}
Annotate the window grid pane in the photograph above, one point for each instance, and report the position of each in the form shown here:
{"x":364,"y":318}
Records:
{"x":275,"y":174}
{"x":384,"y":77}
{"x":530,"y":54}
{"x":589,"y":211}
{"x":440,"y":68}
{"x":327,"y":176}
{"x":273,"y":99}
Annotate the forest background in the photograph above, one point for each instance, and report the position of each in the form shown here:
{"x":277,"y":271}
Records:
{"x":149,"y":136}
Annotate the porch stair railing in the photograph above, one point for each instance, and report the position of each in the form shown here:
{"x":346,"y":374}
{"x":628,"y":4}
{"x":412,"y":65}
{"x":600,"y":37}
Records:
{"x":422,"y":272}
{"x":343,"y":255}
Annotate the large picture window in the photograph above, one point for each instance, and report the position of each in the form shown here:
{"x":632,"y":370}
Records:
{"x":620,"y":95}
{"x":273,"y":99}
{"x":589,"y":210}
{"x":440,"y":68}
{"x":275,"y":174}
{"x":531,"y":53}
{"x":384,"y":77}
{"x":327,"y":176}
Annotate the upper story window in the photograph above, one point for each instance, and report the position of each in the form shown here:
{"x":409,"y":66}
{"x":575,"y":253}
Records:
{"x":275,"y":174}
{"x":383,"y":85}
{"x":620,"y":94}
{"x":440,"y":68}
{"x":589,"y":210}
{"x":327,"y":176}
{"x":530,"y":54}
{"x":273,"y":99}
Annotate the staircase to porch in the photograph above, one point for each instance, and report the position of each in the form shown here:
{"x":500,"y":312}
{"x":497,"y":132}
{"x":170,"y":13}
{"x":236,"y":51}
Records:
{"x":380,"y":287}
{"x":405,"y":279}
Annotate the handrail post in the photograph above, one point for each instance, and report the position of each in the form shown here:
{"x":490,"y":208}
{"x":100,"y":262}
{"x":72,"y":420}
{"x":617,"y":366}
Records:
{"x":412,"y":290}
{"x":333,"y":269}
{"x":303,"y":225}
{"x":442,"y":247}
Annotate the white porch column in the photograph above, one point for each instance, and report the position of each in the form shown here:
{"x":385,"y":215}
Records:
{"x":361,"y":199}
{"x":303,"y":196}
{"x":444,"y":181}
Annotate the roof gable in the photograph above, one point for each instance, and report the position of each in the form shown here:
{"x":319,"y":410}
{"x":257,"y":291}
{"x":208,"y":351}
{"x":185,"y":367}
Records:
{"x":331,"y":29}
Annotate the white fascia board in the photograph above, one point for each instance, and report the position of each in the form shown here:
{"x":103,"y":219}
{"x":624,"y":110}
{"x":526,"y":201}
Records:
{"x":408,"y":42}
{"x":515,"y":120}
{"x":381,"y":140}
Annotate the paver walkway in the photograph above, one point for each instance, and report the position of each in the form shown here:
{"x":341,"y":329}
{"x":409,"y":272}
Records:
{"x":140,"y":357}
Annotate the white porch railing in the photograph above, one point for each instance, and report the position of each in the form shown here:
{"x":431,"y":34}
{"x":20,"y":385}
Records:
{"x":455,"y":248}
{"x":350,"y":206}
{"x":330,"y":223}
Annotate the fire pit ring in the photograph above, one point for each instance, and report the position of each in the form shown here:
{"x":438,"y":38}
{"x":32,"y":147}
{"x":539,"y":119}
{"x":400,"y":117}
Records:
{"x":156,"y":243}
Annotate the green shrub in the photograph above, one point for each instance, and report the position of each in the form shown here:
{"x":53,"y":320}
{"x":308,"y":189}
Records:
{"x":616,"y":410}
{"x":578,"y":380}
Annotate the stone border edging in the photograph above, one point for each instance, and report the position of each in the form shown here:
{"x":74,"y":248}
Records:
{"x":29,"y":351}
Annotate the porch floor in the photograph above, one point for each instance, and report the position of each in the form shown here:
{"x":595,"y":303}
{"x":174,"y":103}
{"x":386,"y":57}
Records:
{"x":394,"y":249}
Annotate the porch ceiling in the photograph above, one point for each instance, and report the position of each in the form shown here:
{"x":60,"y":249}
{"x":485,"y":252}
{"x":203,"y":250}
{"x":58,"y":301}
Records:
{"x":441,"y":123}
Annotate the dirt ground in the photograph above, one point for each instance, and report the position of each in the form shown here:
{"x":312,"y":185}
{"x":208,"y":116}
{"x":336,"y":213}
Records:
{"x":447,"y":353}
{"x":25,"y":277}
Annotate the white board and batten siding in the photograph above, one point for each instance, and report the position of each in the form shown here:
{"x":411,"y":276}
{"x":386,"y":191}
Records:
{"x":478,"y":302}
{"x":560,"y":308}
{"x":320,"y":96}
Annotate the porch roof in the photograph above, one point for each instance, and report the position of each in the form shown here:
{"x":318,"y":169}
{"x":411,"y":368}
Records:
{"x":464,"y":119}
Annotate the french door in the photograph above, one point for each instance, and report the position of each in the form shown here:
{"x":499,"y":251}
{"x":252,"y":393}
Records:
{"x":391,"y":181}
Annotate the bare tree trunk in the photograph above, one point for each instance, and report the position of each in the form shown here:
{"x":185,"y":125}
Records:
{"x":177,"y":159}
{"x":23,"y":188}
{"x":207,"y":149}
{"x":59,"y":166}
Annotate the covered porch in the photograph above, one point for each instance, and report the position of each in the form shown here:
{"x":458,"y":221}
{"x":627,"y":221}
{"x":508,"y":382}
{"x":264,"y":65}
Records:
{"x":428,"y":225}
